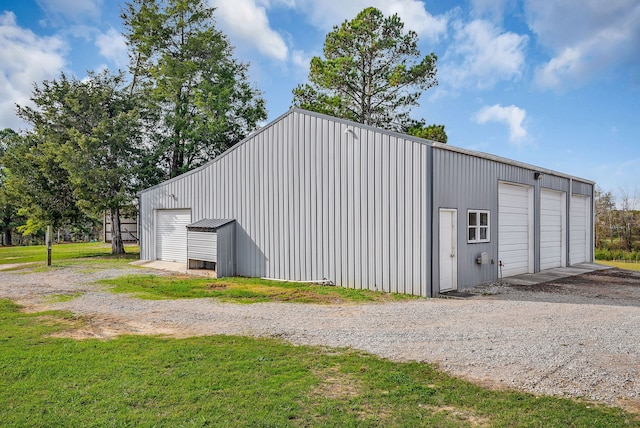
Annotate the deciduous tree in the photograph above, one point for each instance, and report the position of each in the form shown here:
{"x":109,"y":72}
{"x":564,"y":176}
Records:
{"x":83,"y":151}
{"x":198,"y":93}
{"x":9,"y":218}
{"x":37,"y":181}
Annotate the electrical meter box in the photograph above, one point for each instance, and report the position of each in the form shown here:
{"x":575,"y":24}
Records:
{"x":483,"y":258}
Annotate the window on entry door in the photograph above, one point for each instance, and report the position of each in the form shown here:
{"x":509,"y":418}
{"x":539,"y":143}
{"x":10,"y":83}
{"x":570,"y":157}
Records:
{"x":478,"y":226}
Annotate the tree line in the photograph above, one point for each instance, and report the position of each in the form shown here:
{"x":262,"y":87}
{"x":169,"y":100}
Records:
{"x":617,"y":225}
{"x":93,"y":143}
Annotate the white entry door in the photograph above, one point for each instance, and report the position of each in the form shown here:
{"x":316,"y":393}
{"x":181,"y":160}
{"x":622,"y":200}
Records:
{"x":448,"y":249}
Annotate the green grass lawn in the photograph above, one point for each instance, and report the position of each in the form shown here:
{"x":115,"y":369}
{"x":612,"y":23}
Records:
{"x":621,"y":265}
{"x":239,"y":381}
{"x":38,"y":253}
{"x":242,"y":290}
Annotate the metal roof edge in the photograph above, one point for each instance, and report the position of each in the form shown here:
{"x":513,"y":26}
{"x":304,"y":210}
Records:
{"x":210,"y":223}
{"x":221,"y":155}
{"x":508,"y":161}
{"x":348,"y":122}
{"x":443,"y":146}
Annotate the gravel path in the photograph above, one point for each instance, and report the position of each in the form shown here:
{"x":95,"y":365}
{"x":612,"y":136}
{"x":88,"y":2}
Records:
{"x":542,"y":342}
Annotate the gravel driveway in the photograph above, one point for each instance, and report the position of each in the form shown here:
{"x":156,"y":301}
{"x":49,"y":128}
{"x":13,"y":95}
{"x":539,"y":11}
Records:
{"x":577,"y":337}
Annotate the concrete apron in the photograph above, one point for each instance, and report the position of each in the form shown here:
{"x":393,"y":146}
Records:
{"x":553,"y":274}
{"x":173,"y":267}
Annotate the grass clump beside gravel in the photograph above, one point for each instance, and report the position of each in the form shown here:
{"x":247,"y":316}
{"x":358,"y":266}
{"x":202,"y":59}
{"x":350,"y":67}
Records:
{"x":239,"y":381}
{"x":38,"y":253}
{"x":242,"y":290}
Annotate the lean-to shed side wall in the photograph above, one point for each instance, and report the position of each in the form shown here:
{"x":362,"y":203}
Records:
{"x":315,"y":197}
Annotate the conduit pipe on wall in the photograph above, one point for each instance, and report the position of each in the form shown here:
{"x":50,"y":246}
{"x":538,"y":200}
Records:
{"x":322,"y":281}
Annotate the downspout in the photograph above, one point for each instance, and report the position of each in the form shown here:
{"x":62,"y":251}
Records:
{"x":430,"y":190}
{"x":568,"y":233}
{"x":593,"y":223}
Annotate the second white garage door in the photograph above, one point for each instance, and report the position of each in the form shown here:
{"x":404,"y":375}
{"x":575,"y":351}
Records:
{"x":552,"y":229}
{"x":515,"y":228}
{"x":171,"y":235}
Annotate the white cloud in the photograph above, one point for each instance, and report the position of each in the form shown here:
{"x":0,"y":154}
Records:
{"x":587,"y":37}
{"x":492,"y":9}
{"x":26,"y":59}
{"x":113,"y":47}
{"x":325,"y":14}
{"x":482,"y":55}
{"x":247,"y":23}
{"x":301,"y":60}
{"x":416,"y":18}
{"x":74,"y":10}
{"x":512,"y":116}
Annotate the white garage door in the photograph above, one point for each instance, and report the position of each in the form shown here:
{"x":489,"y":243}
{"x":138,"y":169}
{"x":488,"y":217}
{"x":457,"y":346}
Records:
{"x":171,"y":235}
{"x":203,"y":246}
{"x":515,"y":229}
{"x":579,"y":226}
{"x":552,"y":230}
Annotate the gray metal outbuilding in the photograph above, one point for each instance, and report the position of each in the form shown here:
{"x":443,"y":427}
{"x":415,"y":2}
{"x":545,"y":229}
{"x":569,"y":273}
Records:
{"x":319,"y":198}
{"x":211,"y":245}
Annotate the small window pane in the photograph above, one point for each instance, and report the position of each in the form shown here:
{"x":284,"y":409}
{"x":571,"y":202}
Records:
{"x":483,"y":233}
{"x":484,"y":219}
{"x":472,"y":234}
{"x":472,"y":219}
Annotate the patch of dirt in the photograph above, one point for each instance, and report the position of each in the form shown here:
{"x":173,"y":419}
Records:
{"x":461,"y":414}
{"x":336,"y":385}
{"x":10,"y":266}
{"x":105,"y":328}
{"x":213,"y":286}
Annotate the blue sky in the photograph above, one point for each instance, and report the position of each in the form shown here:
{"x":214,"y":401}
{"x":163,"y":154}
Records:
{"x":554,"y":83}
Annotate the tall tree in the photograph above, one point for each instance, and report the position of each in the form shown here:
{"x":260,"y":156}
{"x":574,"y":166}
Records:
{"x":9,"y":218}
{"x":429,"y":132}
{"x":35,"y":178}
{"x":84,"y":145}
{"x":372,"y":73}
{"x":628,"y":218}
{"x":604,"y":214}
{"x":198,"y":92}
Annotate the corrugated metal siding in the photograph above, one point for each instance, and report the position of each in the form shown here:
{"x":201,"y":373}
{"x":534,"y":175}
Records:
{"x":316,"y":198}
{"x":580,"y":188}
{"x":464,"y":181}
{"x":226,"y":265}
